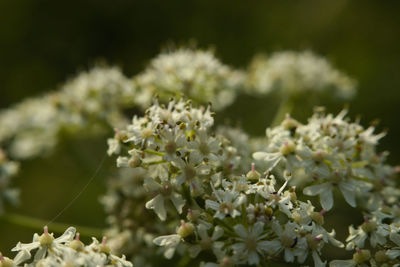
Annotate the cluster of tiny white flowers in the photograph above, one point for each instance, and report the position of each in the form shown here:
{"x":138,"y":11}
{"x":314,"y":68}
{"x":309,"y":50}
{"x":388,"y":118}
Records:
{"x":197,"y":74}
{"x":333,"y":153}
{"x":8,"y":169}
{"x":32,"y":127}
{"x":231,"y":214}
{"x":383,"y":232}
{"x":66,"y":250}
{"x":186,"y":187}
{"x":292,"y":73}
{"x":95,"y":99}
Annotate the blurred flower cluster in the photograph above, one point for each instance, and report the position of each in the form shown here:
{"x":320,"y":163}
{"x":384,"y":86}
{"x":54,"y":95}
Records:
{"x":296,"y":73}
{"x":66,"y":250}
{"x":187,"y":190}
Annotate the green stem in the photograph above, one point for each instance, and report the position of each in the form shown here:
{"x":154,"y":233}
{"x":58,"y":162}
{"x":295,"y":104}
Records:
{"x":38,"y":224}
{"x":286,"y":106}
{"x":156,"y":162}
{"x":149,"y":151}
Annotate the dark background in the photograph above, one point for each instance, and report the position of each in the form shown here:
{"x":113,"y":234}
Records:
{"x":43,"y":43}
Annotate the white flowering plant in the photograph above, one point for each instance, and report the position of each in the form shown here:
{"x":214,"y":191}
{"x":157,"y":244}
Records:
{"x":189,"y":190}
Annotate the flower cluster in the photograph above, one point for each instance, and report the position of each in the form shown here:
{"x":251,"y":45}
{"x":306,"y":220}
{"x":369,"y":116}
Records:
{"x":190,"y":172}
{"x":94,"y":98}
{"x":246,"y":221}
{"x":383,"y":232}
{"x":196,"y":74}
{"x":208,"y":195}
{"x":66,"y":250}
{"x":297,"y":73}
{"x":8,"y":169}
{"x":330,"y":152}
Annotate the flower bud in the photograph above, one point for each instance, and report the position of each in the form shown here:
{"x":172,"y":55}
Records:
{"x":253,"y":175}
{"x":103,"y":246}
{"x":318,"y":217}
{"x":6,"y":262}
{"x":46,"y":239}
{"x":289,"y":123}
{"x":185,"y":230}
{"x":287,"y":148}
{"x":76,"y":244}
{"x":361,"y":256}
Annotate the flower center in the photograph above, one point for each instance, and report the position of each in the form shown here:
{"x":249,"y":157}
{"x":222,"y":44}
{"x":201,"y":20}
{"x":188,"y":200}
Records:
{"x":170,"y":147}
{"x":251,"y":243}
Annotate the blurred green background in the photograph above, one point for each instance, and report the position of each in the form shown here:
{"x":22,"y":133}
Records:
{"x":43,"y":43}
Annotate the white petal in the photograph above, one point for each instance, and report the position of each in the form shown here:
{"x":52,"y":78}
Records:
{"x":170,"y":242}
{"x":393,"y":253}
{"x":326,"y":199}
{"x":395,"y":238}
{"x":151,"y":185}
{"x":157,"y":204}
{"x":194,"y":251}
{"x":218,"y":232}
{"x":68,"y":235}
{"x":289,"y":257}
{"x":202,"y":230}
{"x":258,"y":228}
{"x":211,"y":204}
{"x":253,"y":258}
{"x":28,"y":247}
{"x":178,"y":201}
{"x":317,"y":189}
{"x":122,"y":162}
{"x":349,"y":193}
{"x":317,"y":260}
{"x":270,"y":247}
{"x":21,"y":257}
{"x":260,"y":155}
{"x":240,"y":231}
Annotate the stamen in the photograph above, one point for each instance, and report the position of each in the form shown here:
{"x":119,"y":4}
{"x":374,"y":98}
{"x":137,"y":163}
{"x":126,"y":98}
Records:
{"x":253,"y":167}
{"x":77,"y":236}
{"x":45,"y":230}
{"x":322,"y":212}
{"x":104,"y":241}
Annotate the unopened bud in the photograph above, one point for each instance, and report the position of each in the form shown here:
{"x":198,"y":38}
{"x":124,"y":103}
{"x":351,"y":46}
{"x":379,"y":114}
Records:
{"x":361,"y":256}
{"x":185,"y":230}
{"x":287,"y":148}
{"x":103,"y":246}
{"x":76,"y":244}
{"x":46,"y":239}
{"x":253,"y":175}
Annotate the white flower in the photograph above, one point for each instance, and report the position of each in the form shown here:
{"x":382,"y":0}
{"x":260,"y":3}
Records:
{"x":372,"y":228}
{"x":165,"y":191}
{"x":227,"y":204}
{"x":289,"y":241}
{"x":170,"y":242}
{"x":46,"y":242}
{"x":21,"y":257}
{"x":206,"y":242}
{"x":324,"y":190}
{"x":250,"y":243}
